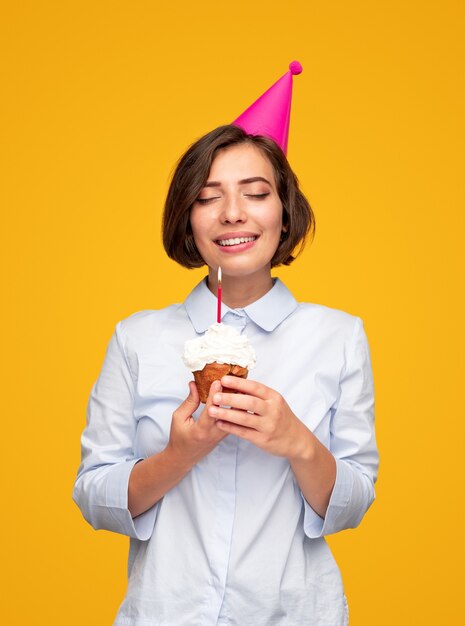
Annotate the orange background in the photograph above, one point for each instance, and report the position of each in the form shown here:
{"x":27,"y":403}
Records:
{"x":100,"y":99}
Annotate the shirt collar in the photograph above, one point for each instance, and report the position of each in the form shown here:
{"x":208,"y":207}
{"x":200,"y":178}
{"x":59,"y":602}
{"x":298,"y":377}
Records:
{"x":267,"y":312}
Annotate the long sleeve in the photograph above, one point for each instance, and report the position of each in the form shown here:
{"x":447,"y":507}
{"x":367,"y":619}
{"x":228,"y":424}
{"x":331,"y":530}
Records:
{"x":101,"y":487}
{"x":352,"y":443}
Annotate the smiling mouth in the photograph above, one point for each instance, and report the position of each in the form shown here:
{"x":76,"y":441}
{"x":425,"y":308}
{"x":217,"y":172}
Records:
{"x":234,"y":241}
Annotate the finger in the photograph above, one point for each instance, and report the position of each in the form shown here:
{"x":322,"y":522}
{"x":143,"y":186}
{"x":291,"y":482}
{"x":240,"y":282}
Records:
{"x":190,"y":404}
{"x":193,"y":393}
{"x":250,"y":387}
{"x":241,"y":418}
{"x":215,"y":388}
{"x":240,"y":401}
{"x":249,"y":434}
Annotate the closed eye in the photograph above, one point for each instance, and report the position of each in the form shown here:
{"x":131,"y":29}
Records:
{"x":257,"y":196}
{"x":206,"y":200}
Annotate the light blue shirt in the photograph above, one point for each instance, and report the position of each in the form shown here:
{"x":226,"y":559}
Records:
{"x":235,"y":542}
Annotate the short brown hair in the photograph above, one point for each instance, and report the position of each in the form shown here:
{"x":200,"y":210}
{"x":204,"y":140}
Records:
{"x":190,"y":176}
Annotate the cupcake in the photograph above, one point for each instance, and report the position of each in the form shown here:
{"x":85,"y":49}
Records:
{"x":221,"y":351}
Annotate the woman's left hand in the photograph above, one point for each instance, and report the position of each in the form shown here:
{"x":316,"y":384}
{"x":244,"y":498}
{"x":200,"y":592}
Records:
{"x":260,"y":415}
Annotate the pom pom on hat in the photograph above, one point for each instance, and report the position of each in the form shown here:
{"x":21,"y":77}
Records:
{"x":295,"y":68}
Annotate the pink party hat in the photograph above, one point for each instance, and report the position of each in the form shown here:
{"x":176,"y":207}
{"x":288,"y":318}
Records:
{"x":270,"y":114}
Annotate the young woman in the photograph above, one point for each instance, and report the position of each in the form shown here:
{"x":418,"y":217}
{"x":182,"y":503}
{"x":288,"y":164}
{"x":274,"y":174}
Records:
{"x":227,"y":508}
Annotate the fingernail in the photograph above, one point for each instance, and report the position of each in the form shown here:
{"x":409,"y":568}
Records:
{"x":213,"y":411}
{"x":217,"y":398}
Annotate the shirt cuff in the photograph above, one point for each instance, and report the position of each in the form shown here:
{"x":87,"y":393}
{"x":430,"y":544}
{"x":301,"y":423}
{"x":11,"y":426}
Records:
{"x":314,"y":525}
{"x":140,"y":527}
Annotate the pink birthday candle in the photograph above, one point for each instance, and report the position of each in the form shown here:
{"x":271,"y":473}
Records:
{"x":218,"y":297}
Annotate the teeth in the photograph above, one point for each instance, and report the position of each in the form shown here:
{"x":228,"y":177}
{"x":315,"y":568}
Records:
{"x":235,"y":241}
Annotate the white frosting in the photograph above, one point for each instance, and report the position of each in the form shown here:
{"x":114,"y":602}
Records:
{"x":221,"y":344}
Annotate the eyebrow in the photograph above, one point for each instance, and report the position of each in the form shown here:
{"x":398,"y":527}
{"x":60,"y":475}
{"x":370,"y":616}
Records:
{"x":244,"y":181}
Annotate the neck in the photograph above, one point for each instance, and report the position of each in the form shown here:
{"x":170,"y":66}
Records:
{"x":238,"y":292}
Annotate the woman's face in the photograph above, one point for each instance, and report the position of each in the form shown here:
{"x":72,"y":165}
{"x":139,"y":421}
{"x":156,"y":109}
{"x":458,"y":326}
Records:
{"x":237,"y":218}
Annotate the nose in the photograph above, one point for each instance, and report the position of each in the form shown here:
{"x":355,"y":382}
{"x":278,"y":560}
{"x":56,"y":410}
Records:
{"x":233,"y":211}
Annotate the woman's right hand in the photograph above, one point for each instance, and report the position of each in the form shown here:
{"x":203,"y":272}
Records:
{"x":190,"y":440}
